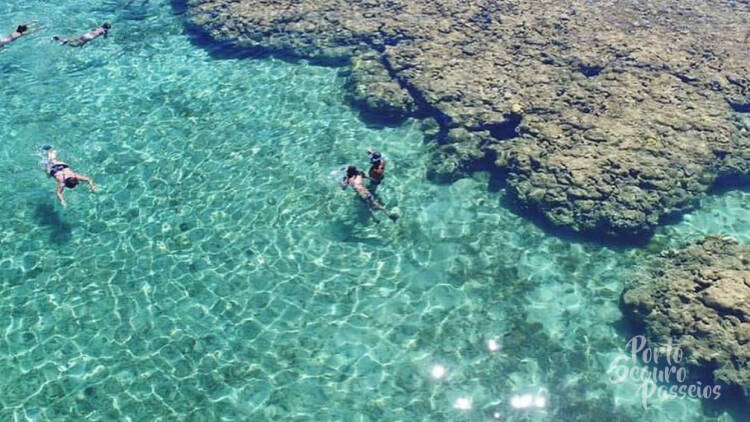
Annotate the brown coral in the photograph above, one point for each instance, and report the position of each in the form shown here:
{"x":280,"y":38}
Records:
{"x":700,"y":296}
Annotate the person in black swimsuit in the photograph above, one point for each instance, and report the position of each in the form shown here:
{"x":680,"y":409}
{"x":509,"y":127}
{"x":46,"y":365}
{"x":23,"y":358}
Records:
{"x":66,"y":178}
{"x":377,"y":168}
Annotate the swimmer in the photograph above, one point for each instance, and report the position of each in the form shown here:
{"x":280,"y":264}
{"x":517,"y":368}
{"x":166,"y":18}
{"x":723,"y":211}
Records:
{"x":354,"y":178}
{"x":66,"y":178}
{"x":82,"y":40}
{"x":20,"y":31}
{"x":377,"y":169}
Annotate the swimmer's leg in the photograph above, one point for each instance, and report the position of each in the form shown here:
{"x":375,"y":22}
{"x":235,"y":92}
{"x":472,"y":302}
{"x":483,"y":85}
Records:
{"x":32,"y":27}
{"x":377,"y":205}
{"x":372,"y":203}
{"x":370,"y":207}
{"x":76,"y":42}
{"x":50,"y":161}
{"x":51,"y":155}
{"x":381,"y":207}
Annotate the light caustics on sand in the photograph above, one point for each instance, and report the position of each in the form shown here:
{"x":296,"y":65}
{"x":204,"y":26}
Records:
{"x":528,"y":401}
{"x":462,"y":403}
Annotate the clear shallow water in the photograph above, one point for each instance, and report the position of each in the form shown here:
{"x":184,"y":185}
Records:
{"x":219,"y":272}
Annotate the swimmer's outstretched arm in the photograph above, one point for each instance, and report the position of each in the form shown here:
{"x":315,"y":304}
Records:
{"x":60,"y":193}
{"x":90,"y":182}
{"x":34,"y":29}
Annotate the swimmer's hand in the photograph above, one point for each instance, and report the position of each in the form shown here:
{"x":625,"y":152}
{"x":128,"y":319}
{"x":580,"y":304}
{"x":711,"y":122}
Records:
{"x":32,"y":27}
{"x":93,"y":187}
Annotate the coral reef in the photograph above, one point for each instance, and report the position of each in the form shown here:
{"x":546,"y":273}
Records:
{"x":699,"y":296}
{"x":606,"y":116}
{"x":373,"y":90}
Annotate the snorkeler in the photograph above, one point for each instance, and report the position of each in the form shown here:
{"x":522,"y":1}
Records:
{"x":81,"y":40}
{"x":66,"y":178}
{"x":20,"y":31}
{"x":354,"y":178}
{"x":377,"y":169}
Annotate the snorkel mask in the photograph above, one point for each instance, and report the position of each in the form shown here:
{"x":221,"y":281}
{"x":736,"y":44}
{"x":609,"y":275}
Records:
{"x":375,"y":157}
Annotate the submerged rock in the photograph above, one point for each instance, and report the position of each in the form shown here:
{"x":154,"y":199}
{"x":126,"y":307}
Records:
{"x":607,"y":116}
{"x":373,"y":90}
{"x":700,"y":297}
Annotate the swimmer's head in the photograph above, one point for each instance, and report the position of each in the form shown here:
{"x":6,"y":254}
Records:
{"x":71,"y":182}
{"x":22,"y":28}
{"x":106,"y":25}
{"x":351,"y":171}
{"x":375,"y":157}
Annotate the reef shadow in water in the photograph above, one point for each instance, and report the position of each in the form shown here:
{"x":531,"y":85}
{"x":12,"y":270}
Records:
{"x":727,"y":183}
{"x":619,"y":243}
{"x":739,"y":107}
{"x":506,"y":130}
{"x":498,"y":183}
{"x":46,"y":216}
{"x":590,"y":71}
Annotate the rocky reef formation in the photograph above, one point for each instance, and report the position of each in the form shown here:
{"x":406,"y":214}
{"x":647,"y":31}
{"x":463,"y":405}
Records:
{"x":606,"y":115}
{"x":700,"y":297}
{"x":372,"y":89}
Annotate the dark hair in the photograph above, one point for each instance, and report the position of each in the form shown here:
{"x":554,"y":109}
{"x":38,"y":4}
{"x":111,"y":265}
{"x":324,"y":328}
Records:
{"x":106,"y":25}
{"x":71,"y":182}
{"x":21,"y":29}
{"x":351,"y":171}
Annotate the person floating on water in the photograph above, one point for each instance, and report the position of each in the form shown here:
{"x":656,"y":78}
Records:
{"x":355,"y":178}
{"x":65,"y":176}
{"x":82,"y":40}
{"x":20,"y":31}
{"x":377,"y":168}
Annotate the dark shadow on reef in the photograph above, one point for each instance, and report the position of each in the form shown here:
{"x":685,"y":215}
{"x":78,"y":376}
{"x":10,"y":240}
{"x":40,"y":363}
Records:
{"x":46,"y":216}
{"x":725,"y":184}
{"x":739,"y":107}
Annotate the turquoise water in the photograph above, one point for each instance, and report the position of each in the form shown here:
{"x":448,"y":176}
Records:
{"x":220,"y":274}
